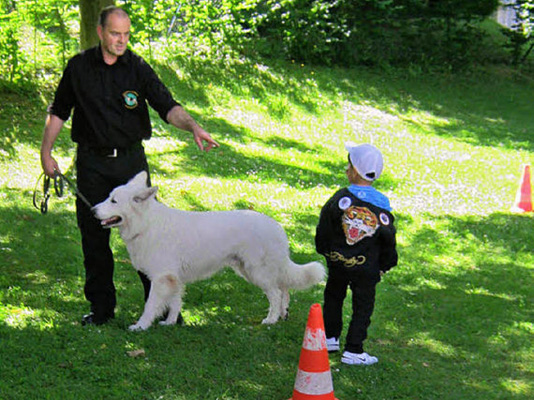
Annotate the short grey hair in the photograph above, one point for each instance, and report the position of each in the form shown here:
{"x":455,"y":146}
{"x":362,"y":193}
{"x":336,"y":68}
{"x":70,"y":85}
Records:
{"x":107,"y":11}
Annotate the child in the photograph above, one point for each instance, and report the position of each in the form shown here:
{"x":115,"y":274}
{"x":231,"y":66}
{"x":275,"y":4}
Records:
{"x":357,"y":237}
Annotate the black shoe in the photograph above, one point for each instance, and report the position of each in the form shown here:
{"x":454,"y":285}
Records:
{"x":93,"y":319}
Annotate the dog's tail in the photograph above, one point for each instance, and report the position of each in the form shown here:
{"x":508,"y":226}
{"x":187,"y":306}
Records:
{"x":304,"y":276}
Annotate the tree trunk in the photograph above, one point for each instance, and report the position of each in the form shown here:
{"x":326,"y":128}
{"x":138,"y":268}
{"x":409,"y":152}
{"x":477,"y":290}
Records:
{"x":89,"y":11}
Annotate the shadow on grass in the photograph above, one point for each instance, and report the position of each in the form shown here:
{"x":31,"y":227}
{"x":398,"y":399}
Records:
{"x":226,"y":162}
{"x":264,"y":81}
{"x":222,"y":351}
{"x":488,"y":107}
{"x":22,"y":116}
{"x":454,"y":318}
{"x":40,"y":257}
{"x":223,"y":345}
{"x":484,"y":108}
{"x":457,"y":311}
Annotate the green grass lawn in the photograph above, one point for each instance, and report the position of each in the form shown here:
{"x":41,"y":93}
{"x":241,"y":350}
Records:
{"x":454,"y":320}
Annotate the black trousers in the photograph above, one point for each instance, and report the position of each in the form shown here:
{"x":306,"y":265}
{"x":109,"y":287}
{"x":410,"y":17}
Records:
{"x":98,"y":175}
{"x":363,"y":289}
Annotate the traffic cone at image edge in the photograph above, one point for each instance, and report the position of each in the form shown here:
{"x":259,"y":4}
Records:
{"x":314,"y":379}
{"x":523,"y":198}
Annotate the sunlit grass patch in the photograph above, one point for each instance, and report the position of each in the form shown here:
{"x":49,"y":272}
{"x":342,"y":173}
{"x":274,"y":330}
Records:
{"x":21,"y":317}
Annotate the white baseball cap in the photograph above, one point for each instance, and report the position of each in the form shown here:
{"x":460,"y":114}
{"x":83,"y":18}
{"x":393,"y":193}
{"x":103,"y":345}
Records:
{"x":367,"y":160}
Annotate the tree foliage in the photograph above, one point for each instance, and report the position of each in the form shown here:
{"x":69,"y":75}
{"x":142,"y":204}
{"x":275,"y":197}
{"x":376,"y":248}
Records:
{"x":37,"y":36}
{"x":34,"y":29}
{"x":521,"y":35}
{"x":11,"y":56}
{"x":351,"y":32}
{"x":215,"y":26}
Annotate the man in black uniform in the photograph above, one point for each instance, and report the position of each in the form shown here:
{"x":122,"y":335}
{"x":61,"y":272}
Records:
{"x":108,"y":87}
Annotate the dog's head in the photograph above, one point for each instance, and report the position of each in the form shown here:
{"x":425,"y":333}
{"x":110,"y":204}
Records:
{"x":125,"y":202}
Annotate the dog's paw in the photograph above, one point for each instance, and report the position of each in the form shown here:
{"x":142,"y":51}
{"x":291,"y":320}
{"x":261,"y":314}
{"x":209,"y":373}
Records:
{"x":269,"y":321}
{"x":167,"y":323}
{"x":136,"y":328}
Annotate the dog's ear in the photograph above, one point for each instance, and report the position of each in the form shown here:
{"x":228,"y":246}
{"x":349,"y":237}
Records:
{"x":145,"y":194}
{"x":140,"y":179}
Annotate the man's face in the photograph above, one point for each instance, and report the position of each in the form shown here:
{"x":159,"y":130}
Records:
{"x":114,"y":36}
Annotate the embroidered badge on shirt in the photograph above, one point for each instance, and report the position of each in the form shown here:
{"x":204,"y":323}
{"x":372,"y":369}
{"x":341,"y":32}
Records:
{"x":384,"y":219}
{"x":358,"y":223}
{"x":344,"y":203}
{"x":130,"y":99}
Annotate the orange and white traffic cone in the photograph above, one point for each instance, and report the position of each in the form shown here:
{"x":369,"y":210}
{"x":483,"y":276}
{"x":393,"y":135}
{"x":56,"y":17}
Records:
{"x":523,"y":198}
{"x":314,"y":379}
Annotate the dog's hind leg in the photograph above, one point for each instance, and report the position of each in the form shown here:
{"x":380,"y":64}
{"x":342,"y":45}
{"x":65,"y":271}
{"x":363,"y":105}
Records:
{"x":274,"y":295}
{"x":161,"y":290}
{"x":284,"y":306}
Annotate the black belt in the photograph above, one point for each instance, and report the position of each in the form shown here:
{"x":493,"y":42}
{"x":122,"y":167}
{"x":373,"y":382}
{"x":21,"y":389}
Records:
{"x":110,"y":152}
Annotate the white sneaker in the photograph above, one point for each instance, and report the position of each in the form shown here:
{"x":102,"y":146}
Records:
{"x":332,"y":344}
{"x":358,"y":359}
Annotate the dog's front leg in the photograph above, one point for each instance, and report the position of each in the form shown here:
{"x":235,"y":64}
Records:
{"x":175,"y":306}
{"x":149,"y":313}
{"x":161,"y":289}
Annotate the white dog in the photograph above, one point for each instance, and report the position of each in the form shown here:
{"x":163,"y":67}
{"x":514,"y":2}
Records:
{"x":174,"y":247}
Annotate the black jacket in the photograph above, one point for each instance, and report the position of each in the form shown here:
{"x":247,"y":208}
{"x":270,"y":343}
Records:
{"x":356,"y":235}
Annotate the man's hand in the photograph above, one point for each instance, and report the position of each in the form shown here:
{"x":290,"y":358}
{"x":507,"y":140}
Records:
{"x":200,"y":136}
{"x":178,"y":117}
{"x":50,"y":165}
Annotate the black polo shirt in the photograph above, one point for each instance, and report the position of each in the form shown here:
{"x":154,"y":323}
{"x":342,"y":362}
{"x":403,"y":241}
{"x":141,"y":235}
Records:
{"x":110,"y":101}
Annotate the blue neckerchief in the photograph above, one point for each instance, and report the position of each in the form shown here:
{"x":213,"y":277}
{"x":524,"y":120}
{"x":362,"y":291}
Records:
{"x":370,"y":195}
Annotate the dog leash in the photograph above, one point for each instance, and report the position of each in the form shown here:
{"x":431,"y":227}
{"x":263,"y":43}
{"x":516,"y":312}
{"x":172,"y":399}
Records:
{"x":59,"y":184}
